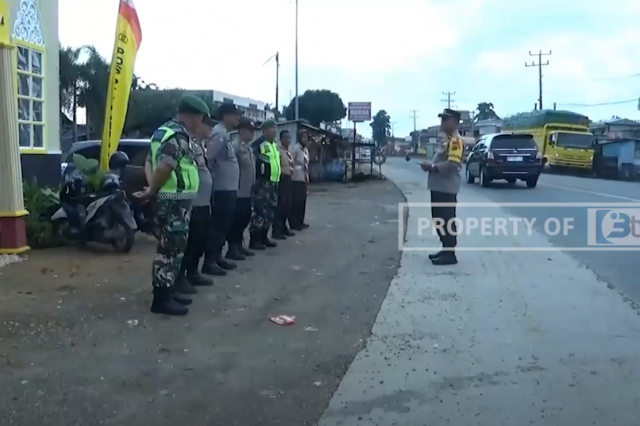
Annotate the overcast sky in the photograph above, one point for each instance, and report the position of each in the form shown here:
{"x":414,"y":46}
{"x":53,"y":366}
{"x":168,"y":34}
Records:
{"x":400,"y":55}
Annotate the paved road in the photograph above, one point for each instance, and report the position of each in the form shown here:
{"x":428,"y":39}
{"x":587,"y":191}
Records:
{"x":619,"y":269}
{"x":501,"y":339}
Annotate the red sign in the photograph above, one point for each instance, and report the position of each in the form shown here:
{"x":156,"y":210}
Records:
{"x":359,"y":111}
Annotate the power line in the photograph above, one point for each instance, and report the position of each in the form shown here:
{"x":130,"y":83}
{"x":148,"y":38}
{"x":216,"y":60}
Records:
{"x":448,"y":100}
{"x":539,"y":65}
{"x":602,"y":103}
{"x":620,"y":77}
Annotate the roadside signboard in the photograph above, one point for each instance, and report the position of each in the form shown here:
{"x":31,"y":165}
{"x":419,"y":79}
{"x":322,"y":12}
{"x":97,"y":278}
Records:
{"x":359,"y":111}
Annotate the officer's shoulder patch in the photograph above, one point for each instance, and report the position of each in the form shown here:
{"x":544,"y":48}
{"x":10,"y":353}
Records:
{"x":158,"y":135}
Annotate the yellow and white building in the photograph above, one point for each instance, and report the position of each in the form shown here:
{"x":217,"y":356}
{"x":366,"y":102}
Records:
{"x":29,"y":108}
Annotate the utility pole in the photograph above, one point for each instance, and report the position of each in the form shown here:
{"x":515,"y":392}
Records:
{"x":277,"y":81}
{"x":415,"y":129}
{"x":393,"y":129}
{"x":297,"y":106}
{"x":448,"y":100}
{"x":539,"y":65}
{"x":277,"y":58}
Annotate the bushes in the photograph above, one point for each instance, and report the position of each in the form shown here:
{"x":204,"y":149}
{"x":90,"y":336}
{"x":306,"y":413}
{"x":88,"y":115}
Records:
{"x":41,"y":203}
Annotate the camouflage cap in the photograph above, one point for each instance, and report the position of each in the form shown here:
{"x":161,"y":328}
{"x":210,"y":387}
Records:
{"x":268,"y":124}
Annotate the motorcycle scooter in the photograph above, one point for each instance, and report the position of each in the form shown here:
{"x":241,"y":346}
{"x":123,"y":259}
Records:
{"x":104,"y":217}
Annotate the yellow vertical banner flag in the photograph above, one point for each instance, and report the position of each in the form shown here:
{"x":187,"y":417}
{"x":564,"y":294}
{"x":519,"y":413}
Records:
{"x":128,"y":39}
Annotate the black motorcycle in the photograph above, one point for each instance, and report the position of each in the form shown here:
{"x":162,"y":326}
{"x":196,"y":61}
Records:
{"x":105,"y":216}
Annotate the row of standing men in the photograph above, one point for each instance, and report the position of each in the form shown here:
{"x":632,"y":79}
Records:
{"x":208,"y":189}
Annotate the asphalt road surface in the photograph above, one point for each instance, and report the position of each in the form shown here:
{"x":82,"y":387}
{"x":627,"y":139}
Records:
{"x":504,"y":337}
{"x":619,"y":269}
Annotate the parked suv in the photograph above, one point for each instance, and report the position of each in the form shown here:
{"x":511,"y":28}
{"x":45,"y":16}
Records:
{"x":507,"y":156}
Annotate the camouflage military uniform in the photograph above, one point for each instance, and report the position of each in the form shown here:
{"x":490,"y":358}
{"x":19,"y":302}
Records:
{"x":172,"y":214}
{"x":172,"y":230}
{"x":265,"y":203}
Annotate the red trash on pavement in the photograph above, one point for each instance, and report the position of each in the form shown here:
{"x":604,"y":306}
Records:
{"x":283,"y":320}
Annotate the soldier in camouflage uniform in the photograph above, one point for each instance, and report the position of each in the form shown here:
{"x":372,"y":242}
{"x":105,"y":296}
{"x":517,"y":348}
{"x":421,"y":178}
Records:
{"x":265,"y":191}
{"x":174,"y":184}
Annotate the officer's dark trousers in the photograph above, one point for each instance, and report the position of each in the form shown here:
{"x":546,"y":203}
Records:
{"x":445,"y":215}
{"x":240,"y":221}
{"x":284,"y":204}
{"x":298,"y":204}
{"x":224,"y":204}
{"x":199,"y":231}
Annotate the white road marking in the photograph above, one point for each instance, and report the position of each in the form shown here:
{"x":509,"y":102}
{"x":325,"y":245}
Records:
{"x":568,"y":188}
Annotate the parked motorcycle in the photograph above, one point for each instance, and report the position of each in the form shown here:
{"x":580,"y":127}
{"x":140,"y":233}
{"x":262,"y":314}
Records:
{"x":104,"y":216}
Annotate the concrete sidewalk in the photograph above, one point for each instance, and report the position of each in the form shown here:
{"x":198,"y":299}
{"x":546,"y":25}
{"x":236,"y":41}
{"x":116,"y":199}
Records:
{"x":78,"y":345}
{"x":500,"y":339}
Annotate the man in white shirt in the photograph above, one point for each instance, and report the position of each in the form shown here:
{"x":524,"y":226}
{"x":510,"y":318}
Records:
{"x":300,"y":154}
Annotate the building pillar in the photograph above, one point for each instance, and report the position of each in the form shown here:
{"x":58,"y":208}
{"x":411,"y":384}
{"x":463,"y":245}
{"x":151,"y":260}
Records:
{"x":13,"y":238}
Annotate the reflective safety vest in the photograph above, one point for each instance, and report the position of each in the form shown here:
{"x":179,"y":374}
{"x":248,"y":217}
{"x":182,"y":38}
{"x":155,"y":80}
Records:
{"x":184,"y":181}
{"x":270,"y":150}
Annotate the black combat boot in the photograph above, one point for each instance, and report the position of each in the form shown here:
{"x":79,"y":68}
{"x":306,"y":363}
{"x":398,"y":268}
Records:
{"x":435,"y":255}
{"x":164,"y":303}
{"x":196,"y":279}
{"x":245,"y":251}
{"x":256,"y":242}
{"x":211,"y":268}
{"x":234,"y":252}
{"x":446,"y":258}
{"x":277,"y":235}
{"x":288,"y":232}
{"x":184,"y":286}
{"x":267,"y":241}
{"x":182,"y":299}
{"x":225,"y":264}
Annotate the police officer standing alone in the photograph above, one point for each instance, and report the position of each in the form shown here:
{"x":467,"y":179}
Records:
{"x":444,"y":184}
{"x":173,"y":184}
{"x":265,"y":192}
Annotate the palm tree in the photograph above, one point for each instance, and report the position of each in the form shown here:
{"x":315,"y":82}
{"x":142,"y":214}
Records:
{"x":94,"y":76}
{"x":485,"y":111}
{"x":70,"y":84}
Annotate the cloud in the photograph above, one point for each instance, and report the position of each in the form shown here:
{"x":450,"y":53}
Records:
{"x":400,"y":55}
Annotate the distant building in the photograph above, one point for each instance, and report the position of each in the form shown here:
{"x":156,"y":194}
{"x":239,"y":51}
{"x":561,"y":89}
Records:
{"x":485,"y":127}
{"x":251,"y":108}
{"x":616,"y":128}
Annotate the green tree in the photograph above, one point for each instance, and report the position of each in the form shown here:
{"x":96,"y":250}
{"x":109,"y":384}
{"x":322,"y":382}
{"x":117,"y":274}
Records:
{"x":381,"y":127}
{"x":70,"y":82}
{"x":318,"y":106}
{"x":485,"y":111}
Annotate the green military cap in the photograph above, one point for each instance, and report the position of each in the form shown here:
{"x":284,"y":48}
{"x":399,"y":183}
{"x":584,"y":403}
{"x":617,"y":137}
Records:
{"x":190,"y":104}
{"x":268,"y":124}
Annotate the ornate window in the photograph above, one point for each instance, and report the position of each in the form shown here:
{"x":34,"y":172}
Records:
{"x":30,"y":98}
{"x":30,"y":77}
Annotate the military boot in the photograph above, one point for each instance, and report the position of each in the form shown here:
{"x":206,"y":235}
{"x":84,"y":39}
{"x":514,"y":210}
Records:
{"x":196,"y":279}
{"x":256,"y":242}
{"x":184,"y":286}
{"x":234,"y":252}
{"x":211,"y":268}
{"x":245,"y":251}
{"x":164,"y":303}
{"x":225,"y":264}
{"x":267,"y":241}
